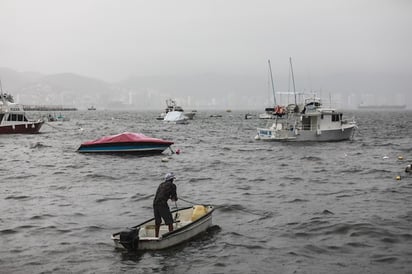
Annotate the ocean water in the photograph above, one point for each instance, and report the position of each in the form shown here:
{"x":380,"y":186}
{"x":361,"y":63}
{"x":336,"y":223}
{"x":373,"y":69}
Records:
{"x":281,"y":207}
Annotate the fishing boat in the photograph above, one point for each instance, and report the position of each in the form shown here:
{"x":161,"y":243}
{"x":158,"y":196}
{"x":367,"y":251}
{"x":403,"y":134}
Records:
{"x":310,"y":121}
{"x":13,"y":117}
{"x":171,"y":105}
{"x":91,"y":108}
{"x":127,"y":142}
{"x":188,"y":223}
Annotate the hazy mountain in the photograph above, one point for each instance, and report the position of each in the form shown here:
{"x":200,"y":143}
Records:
{"x":13,"y":80}
{"x":202,"y":91}
{"x":150,"y":92}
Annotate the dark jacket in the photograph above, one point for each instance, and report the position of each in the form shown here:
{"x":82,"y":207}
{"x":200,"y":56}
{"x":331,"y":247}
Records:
{"x":165,"y":191}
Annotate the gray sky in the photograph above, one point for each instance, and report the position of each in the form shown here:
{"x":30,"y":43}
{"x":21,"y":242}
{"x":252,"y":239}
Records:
{"x":111,"y":40}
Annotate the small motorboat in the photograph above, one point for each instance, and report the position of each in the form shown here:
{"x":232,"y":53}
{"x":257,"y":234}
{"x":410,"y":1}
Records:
{"x":127,"y":142}
{"x":188,"y":223}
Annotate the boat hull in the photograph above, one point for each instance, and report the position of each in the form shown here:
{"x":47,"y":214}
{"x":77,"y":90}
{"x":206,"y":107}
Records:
{"x":182,"y":233}
{"x":330,"y":135}
{"x":23,"y":128}
{"x":134,"y":148}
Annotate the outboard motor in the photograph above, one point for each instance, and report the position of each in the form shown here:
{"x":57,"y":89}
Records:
{"x":130,"y":238}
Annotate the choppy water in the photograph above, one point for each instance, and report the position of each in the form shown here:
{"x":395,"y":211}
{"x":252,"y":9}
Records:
{"x":282,"y":207}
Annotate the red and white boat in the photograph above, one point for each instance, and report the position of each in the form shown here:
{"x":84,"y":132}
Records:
{"x":13,"y":117}
{"x":127,"y":142}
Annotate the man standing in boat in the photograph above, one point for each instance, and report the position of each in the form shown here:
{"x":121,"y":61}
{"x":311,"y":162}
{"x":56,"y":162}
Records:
{"x":165,"y":191}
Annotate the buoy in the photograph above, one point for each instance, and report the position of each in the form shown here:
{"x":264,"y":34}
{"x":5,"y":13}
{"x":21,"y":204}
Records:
{"x":177,"y":151}
{"x":398,"y":178}
{"x":400,"y":157}
{"x":165,"y":159}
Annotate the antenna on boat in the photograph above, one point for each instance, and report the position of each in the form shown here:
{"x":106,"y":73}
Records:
{"x":271,"y":78}
{"x":293,"y":79}
{"x":1,"y":93}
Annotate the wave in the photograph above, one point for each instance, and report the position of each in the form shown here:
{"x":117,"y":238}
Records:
{"x":312,"y":158}
{"x":18,"y":197}
{"x":102,"y":200}
{"x":8,"y":231}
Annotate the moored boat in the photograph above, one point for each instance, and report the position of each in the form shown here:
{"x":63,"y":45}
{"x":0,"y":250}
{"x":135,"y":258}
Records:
{"x":188,"y":223}
{"x":171,"y":105}
{"x":312,"y":122}
{"x":309,"y":121}
{"x":13,"y":117}
{"x":127,"y":142}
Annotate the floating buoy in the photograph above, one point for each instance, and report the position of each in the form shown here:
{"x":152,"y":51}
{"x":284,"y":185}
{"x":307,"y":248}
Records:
{"x":400,"y":157}
{"x":177,"y":151}
{"x":165,"y":159}
{"x":398,"y":178}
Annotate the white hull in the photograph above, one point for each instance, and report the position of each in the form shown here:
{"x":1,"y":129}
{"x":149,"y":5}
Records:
{"x":341,"y":134}
{"x":176,"y":117}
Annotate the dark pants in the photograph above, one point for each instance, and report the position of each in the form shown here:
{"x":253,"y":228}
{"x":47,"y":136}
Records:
{"x":162,"y":212}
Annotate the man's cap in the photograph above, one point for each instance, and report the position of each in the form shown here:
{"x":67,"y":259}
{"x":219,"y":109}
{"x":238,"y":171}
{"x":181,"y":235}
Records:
{"x":169,"y":176}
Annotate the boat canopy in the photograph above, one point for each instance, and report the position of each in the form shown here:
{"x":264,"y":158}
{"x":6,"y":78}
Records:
{"x":127,"y":137}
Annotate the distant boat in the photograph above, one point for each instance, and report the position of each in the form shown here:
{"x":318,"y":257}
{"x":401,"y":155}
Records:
{"x":248,"y":116}
{"x":91,"y":108}
{"x":171,"y":105}
{"x":57,"y":118}
{"x":13,"y":117}
{"x":382,"y":107}
{"x":127,"y":142}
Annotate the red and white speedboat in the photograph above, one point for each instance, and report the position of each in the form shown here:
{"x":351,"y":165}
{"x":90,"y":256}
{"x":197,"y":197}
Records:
{"x":13,"y":117}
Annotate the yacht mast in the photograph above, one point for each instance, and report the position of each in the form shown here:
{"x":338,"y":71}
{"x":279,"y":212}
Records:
{"x":273,"y":86}
{"x":293,"y":79}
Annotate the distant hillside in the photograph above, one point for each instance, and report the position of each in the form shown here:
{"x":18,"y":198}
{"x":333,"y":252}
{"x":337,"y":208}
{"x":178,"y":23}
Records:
{"x":201,"y":91}
{"x":55,"y":89}
{"x":192,"y":91}
{"x":13,"y":80}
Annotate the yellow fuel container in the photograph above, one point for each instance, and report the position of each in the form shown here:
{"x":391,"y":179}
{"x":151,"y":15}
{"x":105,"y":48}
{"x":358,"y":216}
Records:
{"x":198,"y":211}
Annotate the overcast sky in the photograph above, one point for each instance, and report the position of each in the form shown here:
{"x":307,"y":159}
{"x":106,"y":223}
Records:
{"x":112,"y":40}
